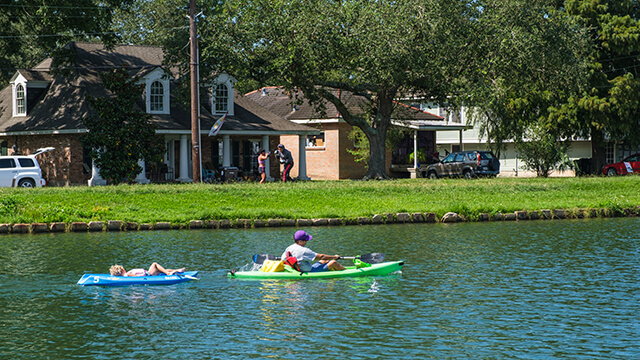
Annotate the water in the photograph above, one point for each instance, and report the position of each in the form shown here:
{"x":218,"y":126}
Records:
{"x":530,"y":290}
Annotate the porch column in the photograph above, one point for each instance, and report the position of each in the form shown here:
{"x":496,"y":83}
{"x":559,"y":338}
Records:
{"x":96,"y":179}
{"x":302,"y":158}
{"x":226,"y":151}
{"x":184,"y":159}
{"x":415,"y":173}
{"x":142,"y":177}
{"x":265,"y":146}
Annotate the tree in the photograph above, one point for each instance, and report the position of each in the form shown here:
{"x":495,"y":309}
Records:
{"x":379,"y":50}
{"x":533,"y":64}
{"x":31,"y":30}
{"x":119,"y":134}
{"x":608,"y":109}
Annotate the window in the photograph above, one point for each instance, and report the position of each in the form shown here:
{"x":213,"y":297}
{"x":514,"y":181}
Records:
{"x":3,"y":148}
{"x":156,"y":98}
{"x":7,"y":163}
{"x":315,"y":140}
{"x":221,"y":99}
{"x":26,"y":162}
{"x":609,"y":153}
{"x":21,"y":102}
{"x":449,"y":158}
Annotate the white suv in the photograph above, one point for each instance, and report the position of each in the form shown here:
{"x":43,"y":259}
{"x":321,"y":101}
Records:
{"x":21,"y":170}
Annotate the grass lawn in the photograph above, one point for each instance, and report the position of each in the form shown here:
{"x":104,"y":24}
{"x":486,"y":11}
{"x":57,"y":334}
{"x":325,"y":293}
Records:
{"x":181,"y":203}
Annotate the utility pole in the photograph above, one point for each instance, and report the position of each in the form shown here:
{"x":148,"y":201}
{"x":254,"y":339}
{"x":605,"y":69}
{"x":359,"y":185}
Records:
{"x":195,"y":111}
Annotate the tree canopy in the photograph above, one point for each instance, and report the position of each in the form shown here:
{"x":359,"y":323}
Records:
{"x":608,"y":108}
{"x":440,"y":50}
{"x":31,"y":30}
{"x":378,"y":50}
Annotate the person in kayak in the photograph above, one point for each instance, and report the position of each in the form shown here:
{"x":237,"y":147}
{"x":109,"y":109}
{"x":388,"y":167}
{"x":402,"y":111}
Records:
{"x":155,"y":269}
{"x":305,"y":255}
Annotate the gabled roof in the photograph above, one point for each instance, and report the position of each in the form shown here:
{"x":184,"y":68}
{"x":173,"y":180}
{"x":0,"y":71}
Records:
{"x":64,"y":104}
{"x":279,"y":101}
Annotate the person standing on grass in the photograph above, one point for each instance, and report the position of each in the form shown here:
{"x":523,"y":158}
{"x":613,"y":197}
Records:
{"x":262,"y":160}
{"x":285,"y":158}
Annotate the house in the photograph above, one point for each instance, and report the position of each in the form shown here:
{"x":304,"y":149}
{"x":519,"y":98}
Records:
{"x":326,"y":151}
{"x":41,"y":107}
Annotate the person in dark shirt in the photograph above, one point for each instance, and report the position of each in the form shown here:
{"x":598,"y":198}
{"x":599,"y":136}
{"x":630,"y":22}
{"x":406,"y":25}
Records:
{"x":285,"y":158}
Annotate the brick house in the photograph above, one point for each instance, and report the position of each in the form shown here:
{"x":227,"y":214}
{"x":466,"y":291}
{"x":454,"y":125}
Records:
{"x":326,"y":151}
{"x":41,"y":108}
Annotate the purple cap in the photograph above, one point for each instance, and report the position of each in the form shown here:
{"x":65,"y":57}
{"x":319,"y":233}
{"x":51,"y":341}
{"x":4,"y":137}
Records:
{"x":302,"y":235}
{"x":281,"y":146}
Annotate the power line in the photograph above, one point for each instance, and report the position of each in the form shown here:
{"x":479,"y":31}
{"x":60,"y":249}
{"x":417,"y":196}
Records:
{"x":57,"y":7}
{"x":84,"y":34}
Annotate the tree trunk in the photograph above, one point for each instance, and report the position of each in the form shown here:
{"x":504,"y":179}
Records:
{"x":377,"y":156}
{"x":598,"y":155}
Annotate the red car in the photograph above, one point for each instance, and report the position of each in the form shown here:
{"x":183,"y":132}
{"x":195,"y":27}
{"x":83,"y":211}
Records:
{"x":630,"y":164}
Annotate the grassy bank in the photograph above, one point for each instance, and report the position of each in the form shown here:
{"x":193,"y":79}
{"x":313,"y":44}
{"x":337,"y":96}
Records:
{"x":180,"y":203}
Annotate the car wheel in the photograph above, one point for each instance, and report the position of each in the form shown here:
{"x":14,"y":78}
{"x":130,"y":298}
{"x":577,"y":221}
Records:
{"x":27,"y":183}
{"x":433,"y":175}
{"x":611,"y":172}
{"x":468,"y":174}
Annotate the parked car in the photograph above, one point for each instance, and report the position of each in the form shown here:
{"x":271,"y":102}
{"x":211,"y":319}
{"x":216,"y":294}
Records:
{"x":469,"y":164}
{"x":22,"y":170}
{"x":630,"y":164}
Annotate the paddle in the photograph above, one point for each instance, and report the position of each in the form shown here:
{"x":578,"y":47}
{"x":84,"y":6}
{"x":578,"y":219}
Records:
{"x":372,"y":258}
{"x":260,"y":258}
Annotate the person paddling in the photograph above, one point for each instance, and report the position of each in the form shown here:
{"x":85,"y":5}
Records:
{"x":155,"y":269}
{"x":305,"y":255}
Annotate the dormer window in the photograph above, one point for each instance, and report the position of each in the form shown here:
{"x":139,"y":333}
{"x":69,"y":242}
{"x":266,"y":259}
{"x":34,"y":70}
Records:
{"x":157,"y":88}
{"x":221,"y":99}
{"x":21,"y":101}
{"x":156,"y":98}
{"x":221,"y":92}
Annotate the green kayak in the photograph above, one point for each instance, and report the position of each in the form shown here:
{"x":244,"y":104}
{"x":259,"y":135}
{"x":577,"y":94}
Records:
{"x":351,"y":271}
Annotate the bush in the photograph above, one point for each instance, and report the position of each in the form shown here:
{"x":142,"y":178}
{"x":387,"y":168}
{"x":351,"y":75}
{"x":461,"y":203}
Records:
{"x":543,"y":152}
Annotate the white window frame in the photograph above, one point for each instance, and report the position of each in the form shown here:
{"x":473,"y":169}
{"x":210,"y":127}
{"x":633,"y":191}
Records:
{"x":156,"y":97}
{"x":157,"y":75}
{"x":220,"y":103}
{"x":16,"y":100}
{"x":227,"y":81}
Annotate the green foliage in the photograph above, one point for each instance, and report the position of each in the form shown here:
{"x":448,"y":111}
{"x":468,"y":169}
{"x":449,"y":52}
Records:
{"x":119,"y":133}
{"x":534,"y":61}
{"x":608,"y":107}
{"x":380,"y":50}
{"x":542,"y":152}
{"x":31,"y":30}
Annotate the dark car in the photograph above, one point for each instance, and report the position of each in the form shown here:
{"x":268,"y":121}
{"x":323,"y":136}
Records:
{"x":630,"y":164}
{"x":469,"y":164}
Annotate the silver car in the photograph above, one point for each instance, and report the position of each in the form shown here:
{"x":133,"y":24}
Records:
{"x":22,"y":170}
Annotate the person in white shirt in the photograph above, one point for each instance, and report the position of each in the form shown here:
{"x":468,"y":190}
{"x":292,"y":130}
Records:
{"x":306,"y":256}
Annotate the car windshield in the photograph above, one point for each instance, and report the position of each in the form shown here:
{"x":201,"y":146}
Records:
{"x":632,"y":158}
{"x":449,"y":158}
